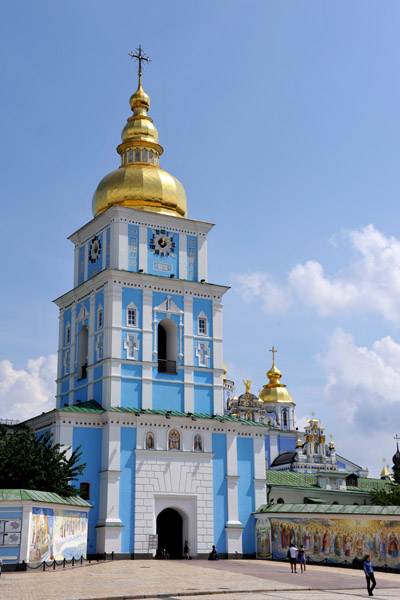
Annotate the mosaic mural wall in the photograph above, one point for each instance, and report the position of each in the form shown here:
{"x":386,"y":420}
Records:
{"x":335,"y":539}
{"x":57,"y":534}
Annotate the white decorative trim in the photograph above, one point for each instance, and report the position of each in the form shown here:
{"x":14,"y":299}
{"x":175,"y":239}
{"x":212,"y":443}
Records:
{"x":67,"y":334}
{"x":203,"y":353}
{"x":202,"y":316}
{"x":169,"y":308}
{"x":99,"y":347}
{"x":131,"y":345}
{"x":83,"y":314}
{"x":67,"y":356}
{"x":131,"y":306}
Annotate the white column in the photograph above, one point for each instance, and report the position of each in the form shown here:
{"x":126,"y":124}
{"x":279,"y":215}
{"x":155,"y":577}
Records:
{"x":25,"y":533}
{"x":273,"y":446}
{"x":188,"y":353}
{"x":60,"y":355}
{"x":218,"y":359}
{"x":112,"y":345}
{"x":202,"y":258}
{"x":233,"y":526}
{"x":123,"y":246}
{"x":259,"y":471}
{"x":143,"y":250}
{"x":182,"y":261}
{"x":109,"y":526}
{"x":76,"y":265}
{"x":91,"y":340}
{"x":72,"y":356}
{"x":114,"y":244}
{"x":147,"y":348}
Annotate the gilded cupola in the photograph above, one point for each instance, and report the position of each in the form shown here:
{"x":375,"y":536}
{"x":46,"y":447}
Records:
{"x":274,"y":390}
{"x":139,"y":182}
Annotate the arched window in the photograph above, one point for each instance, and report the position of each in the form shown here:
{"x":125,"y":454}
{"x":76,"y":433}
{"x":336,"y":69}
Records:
{"x":167,"y":336}
{"x":131,"y":315}
{"x":82,"y":352}
{"x":137,"y":155}
{"x":125,"y":158}
{"x":150,"y":440}
{"x":285,"y":419}
{"x":202,"y":324}
{"x":335,"y":502}
{"x":144,"y":155}
{"x":174,"y":440}
{"x":151,"y":159}
{"x":68,"y":334}
{"x":130,"y":156}
{"x":198,"y":443}
{"x":280,"y":501}
{"x":84,"y":490}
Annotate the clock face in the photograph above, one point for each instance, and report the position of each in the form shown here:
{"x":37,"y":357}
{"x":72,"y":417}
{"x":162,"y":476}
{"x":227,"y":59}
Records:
{"x":94,"y":249}
{"x":162,"y":243}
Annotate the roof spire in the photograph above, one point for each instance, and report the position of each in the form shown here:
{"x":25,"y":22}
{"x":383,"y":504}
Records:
{"x":139,"y":57}
{"x":273,"y":355}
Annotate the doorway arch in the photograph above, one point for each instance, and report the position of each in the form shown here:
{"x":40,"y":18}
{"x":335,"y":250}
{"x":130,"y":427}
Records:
{"x":170,"y":534}
{"x":167,"y":335}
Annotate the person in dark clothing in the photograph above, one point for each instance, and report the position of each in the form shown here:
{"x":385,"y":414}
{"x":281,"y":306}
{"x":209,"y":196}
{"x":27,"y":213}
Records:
{"x":369,"y":574}
{"x":186,"y":550}
{"x":213,"y":554}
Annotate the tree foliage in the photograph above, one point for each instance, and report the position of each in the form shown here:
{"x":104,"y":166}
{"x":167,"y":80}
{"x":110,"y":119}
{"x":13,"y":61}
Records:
{"x":389,"y":496}
{"x":32,"y":462}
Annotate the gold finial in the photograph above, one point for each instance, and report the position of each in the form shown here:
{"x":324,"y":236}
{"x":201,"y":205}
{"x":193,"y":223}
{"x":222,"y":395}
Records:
{"x":139,"y":57}
{"x":247,"y":385}
{"x":273,"y":355}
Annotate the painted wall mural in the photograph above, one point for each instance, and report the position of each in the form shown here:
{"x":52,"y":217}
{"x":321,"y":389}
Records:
{"x":57,"y":534}
{"x":335,"y":539}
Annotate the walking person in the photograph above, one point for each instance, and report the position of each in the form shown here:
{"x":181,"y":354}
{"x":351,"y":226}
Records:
{"x":186,"y":550}
{"x":369,"y":574}
{"x":292,"y":555}
{"x":302,"y":559}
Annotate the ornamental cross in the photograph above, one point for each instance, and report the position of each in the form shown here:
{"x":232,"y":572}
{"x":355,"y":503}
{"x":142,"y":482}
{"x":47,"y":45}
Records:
{"x":397,"y":438}
{"x":273,"y":353}
{"x":139,"y":57}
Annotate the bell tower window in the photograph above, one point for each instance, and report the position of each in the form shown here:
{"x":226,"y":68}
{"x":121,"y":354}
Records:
{"x":202,"y":324}
{"x":167,"y":351}
{"x":100,"y":317}
{"x":284,"y":418}
{"x":131,"y":315}
{"x":68,"y":334}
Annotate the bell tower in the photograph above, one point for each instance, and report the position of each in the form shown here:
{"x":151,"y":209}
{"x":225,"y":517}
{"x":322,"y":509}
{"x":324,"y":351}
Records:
{"x":142,"y":326}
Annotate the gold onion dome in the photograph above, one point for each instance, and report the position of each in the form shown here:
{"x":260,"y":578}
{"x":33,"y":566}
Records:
{"x":140,"y":182}
{"x":274,"y":391}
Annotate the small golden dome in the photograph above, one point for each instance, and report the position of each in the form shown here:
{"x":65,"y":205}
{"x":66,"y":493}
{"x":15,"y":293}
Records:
{"x":274,"y":391}
{"x":139,"y":182}
{"x":299,"y":443}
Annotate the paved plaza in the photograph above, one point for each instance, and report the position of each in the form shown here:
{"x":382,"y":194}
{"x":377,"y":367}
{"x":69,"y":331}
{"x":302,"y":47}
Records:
{"x":227,"y":580}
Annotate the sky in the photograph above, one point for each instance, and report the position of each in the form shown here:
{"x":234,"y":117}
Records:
{"x":282,"y":120}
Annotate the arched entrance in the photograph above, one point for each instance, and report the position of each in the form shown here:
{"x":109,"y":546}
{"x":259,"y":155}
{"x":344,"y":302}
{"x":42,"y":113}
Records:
{"x":169,"y":531}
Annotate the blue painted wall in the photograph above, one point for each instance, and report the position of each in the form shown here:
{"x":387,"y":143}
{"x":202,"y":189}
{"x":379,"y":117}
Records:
{"x":286,"y":444}
{"x":245,"y":460}
{"x":90,"y":440}
{"x":81,"y":394}
{"x":220,"y":490}
{"x":191,"y":258}
{"x":205,"y":306}
{"x":127,"y":488}
{"x":133,"y":246}
{"x":81,"y":265}
{"x":131,"y":393}
{"x":97,"y":266}
{"x":203,"y":377}
{"x":167,"y":396}
{"x":10,"y":512}
{"x":163,"y":266}
{"x":203,"y":400}
{"x":267,"y":451}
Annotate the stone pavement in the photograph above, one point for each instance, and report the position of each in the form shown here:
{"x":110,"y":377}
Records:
{"x":203,"y":580}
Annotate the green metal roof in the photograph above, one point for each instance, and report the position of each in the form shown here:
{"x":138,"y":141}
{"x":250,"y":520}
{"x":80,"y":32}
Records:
{"x":93,"y":407}
{"x":48,"y":497}
{"x":347,"y":509}
{"x":309,"y":481}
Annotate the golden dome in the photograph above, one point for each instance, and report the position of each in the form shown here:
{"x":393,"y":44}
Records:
{"x":140,"y":182}
{"x":274,"y":391}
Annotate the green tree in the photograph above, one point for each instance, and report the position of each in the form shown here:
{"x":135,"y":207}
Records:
{"x":388,"y":496}
{"x":32,"y":462}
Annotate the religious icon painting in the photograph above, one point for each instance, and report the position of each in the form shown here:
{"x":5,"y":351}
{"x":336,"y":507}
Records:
{"x":198,"y":443}
{"x":174,"y":441}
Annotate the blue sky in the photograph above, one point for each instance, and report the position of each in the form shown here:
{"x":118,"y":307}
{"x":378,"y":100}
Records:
{"x":281,"y":119}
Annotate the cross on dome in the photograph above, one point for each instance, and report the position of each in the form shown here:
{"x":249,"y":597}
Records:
{"x":273,"y":354}
{"x":139,"y":57}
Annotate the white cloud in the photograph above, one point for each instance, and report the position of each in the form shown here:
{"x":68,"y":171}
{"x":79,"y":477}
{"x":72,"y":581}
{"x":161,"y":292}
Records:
{"x":25,"y":393}
{"x":369,"y":283}
{"x":363,"y":392}
{"x":275,"y":299}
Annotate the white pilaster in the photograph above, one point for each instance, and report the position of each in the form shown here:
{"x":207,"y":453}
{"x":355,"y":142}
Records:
{"x":202,"y":258}
{"x":112,"y":345}
{"x":147,"y":348}
{"x":143,"y":250}
{"x":72,"y":356}
{"x":188,"y":353}
{"x":60,"y":354}
{"x":218,"y":358}
{"x":123,"y":246}
{"x":91,"y":341}
{"x":233,"y":526}
{"x":182,"y":261}
{"x":259,"y":471}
